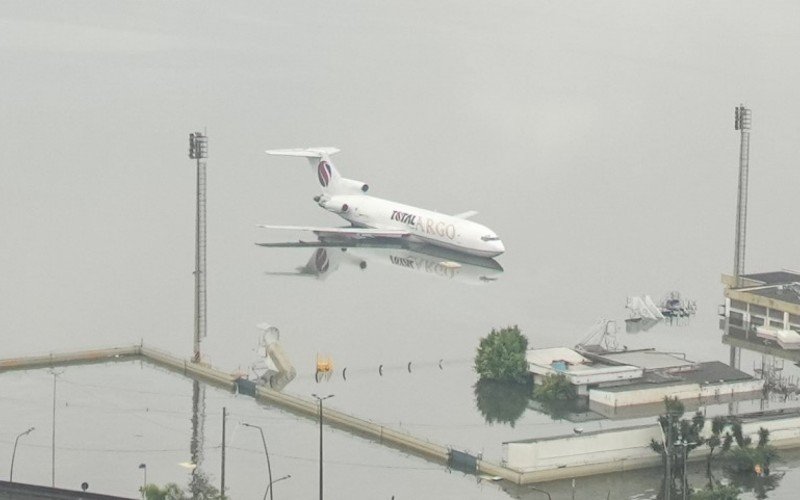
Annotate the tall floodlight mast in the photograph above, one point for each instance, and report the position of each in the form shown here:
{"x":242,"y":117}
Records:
{"x":742,"y":123}
{"x":743,"y":120}
{"x":198,"y":150}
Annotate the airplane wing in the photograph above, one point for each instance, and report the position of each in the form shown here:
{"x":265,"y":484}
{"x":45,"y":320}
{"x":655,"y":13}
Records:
{"x":345,"y":232}
{"x":466,"y":215}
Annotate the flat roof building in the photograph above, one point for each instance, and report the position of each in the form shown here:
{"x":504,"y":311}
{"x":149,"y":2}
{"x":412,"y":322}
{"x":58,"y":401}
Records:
{"x":769,"y":299}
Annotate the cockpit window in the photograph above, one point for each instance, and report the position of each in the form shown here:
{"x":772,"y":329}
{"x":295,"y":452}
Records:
{"x":490,"y":237}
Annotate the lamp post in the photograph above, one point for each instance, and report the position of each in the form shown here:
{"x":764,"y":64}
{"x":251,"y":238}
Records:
{"x":269,"y":486}
{"x":14,"y":453}
{"x":143,"y":466}
{"x":320,"y":399}
{"x":269,"y":468}
{"x":55,"y":373}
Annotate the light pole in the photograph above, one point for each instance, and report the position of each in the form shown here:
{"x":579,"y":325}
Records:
{"x":53,"y":445}
{"x":320,"y":399}
{"x":684,"y":483}
{"x":198,"y":150}
{"x":269,"y":486}
{"x":269,"y":468}
{"x":14,"y":453}
{"x":143,"y":466}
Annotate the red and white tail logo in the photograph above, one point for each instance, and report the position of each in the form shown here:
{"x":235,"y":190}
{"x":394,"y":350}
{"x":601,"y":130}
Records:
{"x":324,"y":173}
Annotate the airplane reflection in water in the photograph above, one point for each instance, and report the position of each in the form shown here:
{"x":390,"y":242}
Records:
{"x":327,"y":257}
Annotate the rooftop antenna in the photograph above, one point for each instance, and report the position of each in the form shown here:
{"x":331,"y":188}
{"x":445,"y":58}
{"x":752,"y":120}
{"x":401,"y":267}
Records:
{"x":743,"y":121}
{"x":198,"y":150}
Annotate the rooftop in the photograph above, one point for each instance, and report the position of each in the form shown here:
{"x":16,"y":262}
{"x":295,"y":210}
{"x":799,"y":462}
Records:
{"x":648,"y":359}
{"x":548,"y":355}
{"x":774,"y":277}
{"x":710,"y":372}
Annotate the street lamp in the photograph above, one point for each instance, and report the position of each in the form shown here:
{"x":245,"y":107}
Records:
{"x":269,"y":486}
{"x":269,"y":468}
{"x":143,"y":466}
{"x":320,"y":399}
{"x":14,"y":453}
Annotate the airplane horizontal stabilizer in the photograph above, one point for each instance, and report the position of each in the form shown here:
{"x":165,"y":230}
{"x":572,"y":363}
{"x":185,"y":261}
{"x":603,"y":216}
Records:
{"x":466,"y":215}
{"x":349,"y":232}
{"x":304,"y":152}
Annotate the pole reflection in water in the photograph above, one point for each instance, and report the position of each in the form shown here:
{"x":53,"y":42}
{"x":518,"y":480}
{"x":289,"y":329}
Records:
{"x":199,"y":483}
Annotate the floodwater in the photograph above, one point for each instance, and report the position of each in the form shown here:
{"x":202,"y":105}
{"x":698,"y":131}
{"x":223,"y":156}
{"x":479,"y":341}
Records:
{"x":596,"y":141}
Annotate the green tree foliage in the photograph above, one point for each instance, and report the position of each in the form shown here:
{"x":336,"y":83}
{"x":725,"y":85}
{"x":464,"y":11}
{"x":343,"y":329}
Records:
{"x":200,"y":489}
{"x":170,"y":491}
{"x":676,"y":429}
{"x":718,"y":492}
{"x":501,"y":402}
{"x":501,"y":355}
{"x":715,"y":440}
{"x":748,"y":459}
{"x":554,"y":388}
{"x":746,"y":466}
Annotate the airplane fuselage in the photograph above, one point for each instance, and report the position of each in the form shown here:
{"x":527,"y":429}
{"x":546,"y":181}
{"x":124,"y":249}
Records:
{"x":425,"y":226}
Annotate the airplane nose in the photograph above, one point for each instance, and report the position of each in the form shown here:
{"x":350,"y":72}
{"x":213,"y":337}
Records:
{"x":497,"y":246}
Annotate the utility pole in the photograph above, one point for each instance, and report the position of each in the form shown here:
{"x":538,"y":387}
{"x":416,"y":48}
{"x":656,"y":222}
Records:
{"x":320,"y":400}
{"x":55,"y":374}
{"x":198,"y":150}
{"x":668,"y":450}
{"x":222,"y":475}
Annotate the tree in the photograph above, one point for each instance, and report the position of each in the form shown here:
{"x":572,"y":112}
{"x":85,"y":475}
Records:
{"x":170,"y":491}
{"x":717,"y":426}
{"x":718,"y":492}
{"x":748,"y":459}
{"x":554,"y":387}
{"x":200,"y":488}
{"x":683,"y":431}
{"x":501,"y":355}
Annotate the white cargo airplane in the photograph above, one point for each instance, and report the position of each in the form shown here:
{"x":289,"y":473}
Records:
{"x":372,"y":217}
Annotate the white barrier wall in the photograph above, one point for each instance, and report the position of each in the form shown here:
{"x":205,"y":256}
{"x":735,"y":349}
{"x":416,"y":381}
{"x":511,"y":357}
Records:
{"x":630,"y":446}
{"x":590,"y":448}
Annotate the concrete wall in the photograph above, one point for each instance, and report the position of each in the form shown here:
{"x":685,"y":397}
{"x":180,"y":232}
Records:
{"x":625,"y":449}
{"x":629,"y":443}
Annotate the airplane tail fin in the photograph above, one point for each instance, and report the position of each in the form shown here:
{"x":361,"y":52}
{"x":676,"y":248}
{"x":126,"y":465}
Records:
{"x":329,"y":178}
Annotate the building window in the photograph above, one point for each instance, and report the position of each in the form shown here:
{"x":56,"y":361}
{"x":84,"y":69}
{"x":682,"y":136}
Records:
{"x":738,"y":304}
{"x":776,"y":314}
